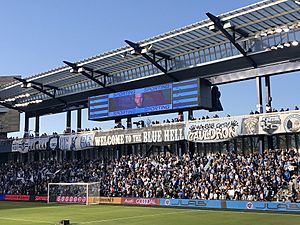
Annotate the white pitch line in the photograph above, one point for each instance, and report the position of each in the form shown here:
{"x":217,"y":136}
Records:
{"x":134,"y":217}
{"x":24,"y":220}
{"x":187,"y":211}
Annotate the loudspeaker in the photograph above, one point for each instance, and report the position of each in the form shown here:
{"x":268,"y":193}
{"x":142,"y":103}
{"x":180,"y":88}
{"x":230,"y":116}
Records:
{"x":215,"y":100}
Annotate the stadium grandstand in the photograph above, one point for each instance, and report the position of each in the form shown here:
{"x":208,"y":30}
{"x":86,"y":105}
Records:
{"x":238,"y":162}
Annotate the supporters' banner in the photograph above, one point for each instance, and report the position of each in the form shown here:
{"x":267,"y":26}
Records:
{"x":67,"y":142}
{"x":30,"y":144}
{"x":277,"y":123}
{"x":74,"y":142}
{"x":53,"y":143}
{"x":39,"y":143}
{"x":214,"y":130}
{"x":84,"y":141}
{"x":20,"y":145}
{"x":250,"y":125}
{"x":156,"y":134}
{"x":211,"y":130}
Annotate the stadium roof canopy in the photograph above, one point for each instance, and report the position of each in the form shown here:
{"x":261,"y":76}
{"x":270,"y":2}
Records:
{"x":251,"y":41}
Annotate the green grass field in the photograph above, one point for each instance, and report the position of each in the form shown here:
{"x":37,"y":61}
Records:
{"x":12,"y":213}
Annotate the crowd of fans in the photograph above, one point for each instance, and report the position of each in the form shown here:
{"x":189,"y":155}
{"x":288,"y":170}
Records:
{"x":271,"y":110}
{"x":215,"y":176}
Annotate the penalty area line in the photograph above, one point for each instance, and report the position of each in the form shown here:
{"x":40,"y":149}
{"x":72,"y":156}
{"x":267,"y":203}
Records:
{"x":135,"y":217}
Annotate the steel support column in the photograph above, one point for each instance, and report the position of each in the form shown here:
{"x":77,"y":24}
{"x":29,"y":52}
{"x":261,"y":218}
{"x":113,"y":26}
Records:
{"x":287,"y":141}
{"x":26,"y":126}
{"x":235,"y":145}
{"x":243,"y":145}
{"x":277,"y":141}
{"x":259,"y":95}
{"x":37,"y":126}
{"x":79,"y":120}
{"x":296,"y":142}
{"x":190,"y":115}
{"x":268,"y":94}
{"x":68,"y":122}
{"x":129,"y":123}
{"x":261,"y":144}
{"x":270,"y":142}
{"x":118,"y":123}
{"x":268,"y":107}
{"x":251,"y":145}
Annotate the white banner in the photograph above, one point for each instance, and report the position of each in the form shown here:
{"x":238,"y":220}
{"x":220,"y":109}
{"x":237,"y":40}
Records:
{"x":53,"y":143}
{"x":39,"y":143}
{"x":67,"y":142}
{"x":20,"y":145}
{"x":278,"y":123}
{"x":84,"y":141}
{"x":74,"y":142}
{"x":156,"y":134}
{"x":213,"y":130}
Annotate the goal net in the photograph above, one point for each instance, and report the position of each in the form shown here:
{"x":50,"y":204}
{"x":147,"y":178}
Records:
{"x":80,"y":193}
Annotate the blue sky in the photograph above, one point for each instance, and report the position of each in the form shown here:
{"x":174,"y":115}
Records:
{"x":38,"y":35}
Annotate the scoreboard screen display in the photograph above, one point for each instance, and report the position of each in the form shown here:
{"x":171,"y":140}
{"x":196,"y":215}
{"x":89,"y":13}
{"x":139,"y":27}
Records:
{"x":165,"y":97}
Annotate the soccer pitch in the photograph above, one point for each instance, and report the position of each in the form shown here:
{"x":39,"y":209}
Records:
{"x":13,"y":213}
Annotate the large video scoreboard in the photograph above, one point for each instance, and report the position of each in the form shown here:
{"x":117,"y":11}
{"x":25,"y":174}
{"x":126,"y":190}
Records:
{"x":168,"y":97}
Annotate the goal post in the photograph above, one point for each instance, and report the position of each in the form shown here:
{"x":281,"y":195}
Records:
{"x":80,"y":193}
